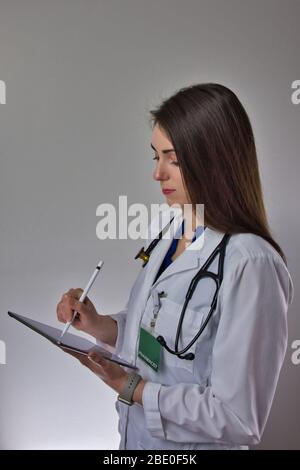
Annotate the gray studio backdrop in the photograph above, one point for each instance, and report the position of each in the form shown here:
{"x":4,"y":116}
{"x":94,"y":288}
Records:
{"x":80,"y":78}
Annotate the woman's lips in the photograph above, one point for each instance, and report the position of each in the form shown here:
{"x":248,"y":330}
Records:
{"x":168,"y":191}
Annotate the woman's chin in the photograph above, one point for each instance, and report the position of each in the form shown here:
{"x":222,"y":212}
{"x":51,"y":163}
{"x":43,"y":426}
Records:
{"x":173,"y":203}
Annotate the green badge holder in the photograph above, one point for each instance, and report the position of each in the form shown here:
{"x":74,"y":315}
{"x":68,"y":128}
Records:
{"x":149,"y":349}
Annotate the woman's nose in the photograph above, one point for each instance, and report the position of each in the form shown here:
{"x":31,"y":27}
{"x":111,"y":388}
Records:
{"x":160,"y":173}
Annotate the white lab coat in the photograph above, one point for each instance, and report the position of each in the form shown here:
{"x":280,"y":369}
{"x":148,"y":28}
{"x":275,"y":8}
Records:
{"x":221,"y":399}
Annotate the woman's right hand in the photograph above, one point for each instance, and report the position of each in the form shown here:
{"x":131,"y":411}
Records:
{"x":87,"y":318}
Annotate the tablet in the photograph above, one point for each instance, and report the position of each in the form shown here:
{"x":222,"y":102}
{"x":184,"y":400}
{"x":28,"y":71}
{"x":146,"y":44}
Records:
{"x":69,"y":341}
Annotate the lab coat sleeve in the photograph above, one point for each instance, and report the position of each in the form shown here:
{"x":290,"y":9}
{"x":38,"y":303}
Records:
{"x":120,"y":318}
{"x":247,"y":356}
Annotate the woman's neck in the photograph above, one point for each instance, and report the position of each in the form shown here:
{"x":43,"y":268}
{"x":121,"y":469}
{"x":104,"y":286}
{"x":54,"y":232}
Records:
{"x":192,"y":222}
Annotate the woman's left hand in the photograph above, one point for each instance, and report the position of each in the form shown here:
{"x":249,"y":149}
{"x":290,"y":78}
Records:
{"x":110,"y":372}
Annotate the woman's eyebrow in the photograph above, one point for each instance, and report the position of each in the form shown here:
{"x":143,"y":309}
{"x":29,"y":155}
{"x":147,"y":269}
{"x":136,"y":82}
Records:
{"x":163,"y":151}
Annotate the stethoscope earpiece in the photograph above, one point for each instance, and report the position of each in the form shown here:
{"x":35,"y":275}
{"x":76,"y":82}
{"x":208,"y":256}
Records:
{"x":143,"y":256}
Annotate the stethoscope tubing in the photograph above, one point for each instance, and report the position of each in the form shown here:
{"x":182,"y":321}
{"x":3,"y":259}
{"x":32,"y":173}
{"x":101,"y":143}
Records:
{"x":202,"y":273}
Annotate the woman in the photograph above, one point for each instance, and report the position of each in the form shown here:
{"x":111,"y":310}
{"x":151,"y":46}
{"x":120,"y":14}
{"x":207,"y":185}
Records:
{"x":218,"y":394}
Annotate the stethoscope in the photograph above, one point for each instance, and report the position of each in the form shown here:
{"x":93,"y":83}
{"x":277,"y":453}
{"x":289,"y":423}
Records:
{"x":202,"y":274}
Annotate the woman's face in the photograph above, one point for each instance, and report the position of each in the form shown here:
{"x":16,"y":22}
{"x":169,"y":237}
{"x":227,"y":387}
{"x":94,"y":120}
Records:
{"x":167,"y":171}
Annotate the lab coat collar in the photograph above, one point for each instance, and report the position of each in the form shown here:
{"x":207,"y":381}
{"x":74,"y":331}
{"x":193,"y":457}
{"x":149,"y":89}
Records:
{"x":194,"y":256}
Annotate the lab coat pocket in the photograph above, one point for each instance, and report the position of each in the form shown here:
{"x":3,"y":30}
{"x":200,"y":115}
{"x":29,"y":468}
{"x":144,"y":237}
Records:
{"x":166,"y":326}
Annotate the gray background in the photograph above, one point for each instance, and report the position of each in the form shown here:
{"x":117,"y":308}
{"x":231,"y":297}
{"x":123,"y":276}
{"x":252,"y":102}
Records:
{"x":81,"y":77}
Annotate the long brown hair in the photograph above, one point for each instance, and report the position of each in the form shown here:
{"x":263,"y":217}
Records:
{"x":214,"y":143}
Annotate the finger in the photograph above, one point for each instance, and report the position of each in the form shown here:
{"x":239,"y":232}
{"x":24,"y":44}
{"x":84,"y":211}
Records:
{"x":63,"y":312}
{"x":68,"y":305}
{"x":72,"y":353}
{"x":96,"y":359}
{"x":75,"y":292}
{"x":58,"y":311}
{"x":82,"y":358}
{"x":74,"y":304}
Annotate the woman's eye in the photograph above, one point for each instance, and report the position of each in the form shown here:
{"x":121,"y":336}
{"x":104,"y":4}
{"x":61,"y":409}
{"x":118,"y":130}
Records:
{"x":174,"y":162}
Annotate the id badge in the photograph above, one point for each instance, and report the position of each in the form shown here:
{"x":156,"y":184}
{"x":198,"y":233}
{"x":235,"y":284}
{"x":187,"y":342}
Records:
{"x":149,"y":349}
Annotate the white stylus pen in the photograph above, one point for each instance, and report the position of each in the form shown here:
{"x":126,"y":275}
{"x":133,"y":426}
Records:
{"x":83,"y":296}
